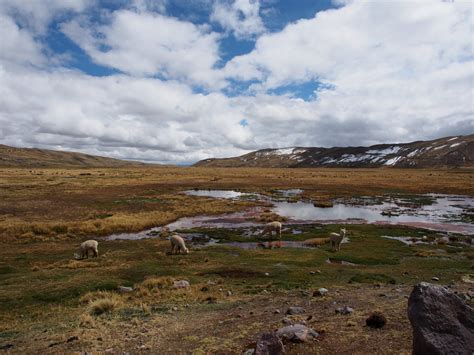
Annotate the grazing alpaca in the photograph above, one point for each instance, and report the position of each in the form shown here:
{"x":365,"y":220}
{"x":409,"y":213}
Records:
{"x":83,"y":251}
{"x":177,"y":242}
{"x":270,"y":228}
{"x":336,"y":239}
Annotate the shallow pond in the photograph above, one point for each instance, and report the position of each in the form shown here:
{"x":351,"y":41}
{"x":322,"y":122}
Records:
{"x":442,"y":214}
{"x":445,"y":213}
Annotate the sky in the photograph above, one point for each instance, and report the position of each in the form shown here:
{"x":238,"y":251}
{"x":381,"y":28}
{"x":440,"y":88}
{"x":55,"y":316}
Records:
{"x":177,"y":81}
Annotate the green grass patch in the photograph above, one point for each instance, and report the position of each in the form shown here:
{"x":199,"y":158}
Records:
{"x":7,"y":269}
{"x":372,"y":278}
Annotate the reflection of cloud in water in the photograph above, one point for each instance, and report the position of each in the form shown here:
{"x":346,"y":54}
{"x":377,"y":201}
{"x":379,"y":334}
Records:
{"x":442,"y":215}
{"x":216,"y":193}
{"x":445,"y":209}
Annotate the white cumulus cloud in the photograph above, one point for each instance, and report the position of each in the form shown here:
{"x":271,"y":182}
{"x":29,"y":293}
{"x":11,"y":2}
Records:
{"x":147,"y":44}
{"x":242,"y":17}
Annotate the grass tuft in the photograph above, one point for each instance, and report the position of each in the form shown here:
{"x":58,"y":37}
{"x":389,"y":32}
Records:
{"x":105,"y":304}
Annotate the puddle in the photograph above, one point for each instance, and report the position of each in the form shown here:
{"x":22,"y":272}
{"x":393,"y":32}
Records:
{"x":146,"y":234}
{"x":407,"y":240}
{"x":442,"y":239}
{"x":290,"y":192}
{"x":228,"y":221}
{"x":339,"y":262}
{"x":231,"y":194}
{"x":266,"y":245}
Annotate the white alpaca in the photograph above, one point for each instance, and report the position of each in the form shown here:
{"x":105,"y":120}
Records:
{"x":271,"y":227}
{"x":177,"y":242}
{"x":83,"y":251}
{"x":336,"y":239}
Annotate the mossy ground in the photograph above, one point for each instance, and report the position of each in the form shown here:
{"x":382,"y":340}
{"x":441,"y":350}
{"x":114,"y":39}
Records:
{"x":42,"y":288}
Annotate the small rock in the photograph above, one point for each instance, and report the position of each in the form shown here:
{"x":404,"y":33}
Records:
{"x":50,"y":345}
{"x":124,"y":289}
{"x":267,"y":274}
{"x":249,"y":352}
{"x":382,"y":295}
{"x":74,"y":337}
{"x":344,"y":310}
{"x":297,"y":333}
{"x":211,"y":300}
{"x":229,"y":293}
{"x":181,"y":284}
{"x":205,"y":289}
{"x":312,"y":272}
{"x":351,"y":324}
{"x":174,"y":309}
{"x":269,"y":343}
{"x":6,"y":346}
{"x":434,"y":278}
{"x":286,"y":321}
{"x":220,"y":290}
{"x":277,"y":311}
{"x":109,"y":350}
{"x":295,"y":310}
{"x":321,"y":292}
{"x":206,"y":260}
{"x":376,"y":320}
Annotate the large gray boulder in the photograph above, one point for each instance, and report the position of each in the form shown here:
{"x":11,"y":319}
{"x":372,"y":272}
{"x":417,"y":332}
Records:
{"x":442,"y":323}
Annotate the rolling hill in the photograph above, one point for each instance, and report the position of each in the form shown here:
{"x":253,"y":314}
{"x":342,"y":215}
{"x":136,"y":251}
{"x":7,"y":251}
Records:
{"x":43,"y":158}
{"x":444,"y":152}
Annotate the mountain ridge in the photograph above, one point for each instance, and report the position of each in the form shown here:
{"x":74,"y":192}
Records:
{"x":453,"y":151}
{"x":46,"y":158}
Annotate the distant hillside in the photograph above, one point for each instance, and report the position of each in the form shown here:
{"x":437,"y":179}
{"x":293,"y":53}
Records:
{"x":443,"y":152}
{"x":43,"y":158}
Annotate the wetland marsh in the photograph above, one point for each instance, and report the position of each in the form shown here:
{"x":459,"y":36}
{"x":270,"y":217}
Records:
{"x":49,"y":302}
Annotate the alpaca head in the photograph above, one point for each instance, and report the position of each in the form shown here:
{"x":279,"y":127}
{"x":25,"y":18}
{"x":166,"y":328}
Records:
{"x":343,"y":231}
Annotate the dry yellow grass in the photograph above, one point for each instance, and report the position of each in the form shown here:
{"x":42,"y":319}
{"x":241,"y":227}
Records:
{"x":59,"y":204}
{"x":101,"y":302}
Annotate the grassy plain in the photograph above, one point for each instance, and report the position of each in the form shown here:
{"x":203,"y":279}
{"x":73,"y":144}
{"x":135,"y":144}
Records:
{"x":52,"y":303}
